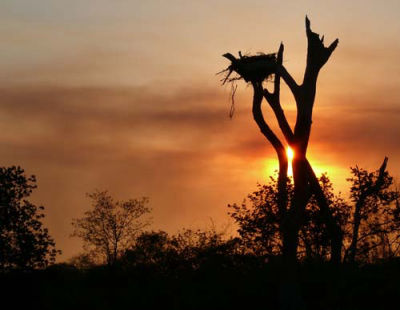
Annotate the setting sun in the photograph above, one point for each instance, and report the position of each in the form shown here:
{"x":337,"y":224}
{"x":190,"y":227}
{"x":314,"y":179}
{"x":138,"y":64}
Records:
{"x":289,"y":153}
{"x":290,"y":156}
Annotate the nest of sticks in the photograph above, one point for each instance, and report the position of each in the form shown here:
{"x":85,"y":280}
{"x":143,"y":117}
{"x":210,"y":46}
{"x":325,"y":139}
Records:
{"x":251,"y":68}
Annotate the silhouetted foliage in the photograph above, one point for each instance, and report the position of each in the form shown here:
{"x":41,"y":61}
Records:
{"x":151,"y":249}
{"x":24,"y":242}
{"x":201,"y":269}
{"x":187,"y":250}
{"x":260,"y":221}
{"x":374,"y":229}
{"x":110,"y":227}
{"x":314,"y":235}
{"x":375,"y":210}
{"x":83,"y":261}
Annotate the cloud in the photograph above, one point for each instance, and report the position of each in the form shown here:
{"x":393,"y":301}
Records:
{"x":359,"y":128}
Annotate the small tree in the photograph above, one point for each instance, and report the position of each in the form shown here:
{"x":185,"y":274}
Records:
{"x":24,"y":242}
{"x":259,"y":218}
{"x":375,"y":225}
{"x":111,"y":226}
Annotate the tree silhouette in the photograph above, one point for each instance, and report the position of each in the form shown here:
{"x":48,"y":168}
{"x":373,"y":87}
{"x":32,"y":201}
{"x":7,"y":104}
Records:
{"x":258,"y":218}
{"x":370,"y":220}
{"x":24,"y":242}
{"x":111,"y":226}
{"x":375,"y":217}
{"x":255,"y":69}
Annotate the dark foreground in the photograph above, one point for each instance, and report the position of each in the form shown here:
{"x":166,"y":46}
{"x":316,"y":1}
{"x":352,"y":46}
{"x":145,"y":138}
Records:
{"x":213,"y":286}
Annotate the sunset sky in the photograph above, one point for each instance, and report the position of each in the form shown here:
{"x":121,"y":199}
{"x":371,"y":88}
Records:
{"x":122,"y":95}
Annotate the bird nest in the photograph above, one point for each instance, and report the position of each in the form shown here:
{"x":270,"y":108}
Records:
{"x":251,"y":68}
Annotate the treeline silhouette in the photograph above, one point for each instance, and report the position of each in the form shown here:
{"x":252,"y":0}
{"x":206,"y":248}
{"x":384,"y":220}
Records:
{"x":125,"y":267}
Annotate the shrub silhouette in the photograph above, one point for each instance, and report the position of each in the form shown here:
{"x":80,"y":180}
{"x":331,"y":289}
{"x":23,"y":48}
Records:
{"x":24,"y":242}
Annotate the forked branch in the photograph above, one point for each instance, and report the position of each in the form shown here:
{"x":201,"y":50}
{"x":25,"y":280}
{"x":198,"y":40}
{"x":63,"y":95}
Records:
{"x":317,"y":53}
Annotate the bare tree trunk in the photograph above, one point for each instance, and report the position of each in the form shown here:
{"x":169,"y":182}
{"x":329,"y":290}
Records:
{"x":273,"y":139}
{"x":317,"y":56}
{"x":304,"y":96}
{"x":276,"y":143}
{"x":305,"y":181}
{"x":333,"y":227}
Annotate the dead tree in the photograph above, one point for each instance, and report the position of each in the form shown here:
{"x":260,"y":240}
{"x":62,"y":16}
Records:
{"x":256,"y":69}
{"x":364,"y":191}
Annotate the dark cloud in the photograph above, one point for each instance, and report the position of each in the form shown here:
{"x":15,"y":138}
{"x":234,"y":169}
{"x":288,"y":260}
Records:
{"x":360,"y":128}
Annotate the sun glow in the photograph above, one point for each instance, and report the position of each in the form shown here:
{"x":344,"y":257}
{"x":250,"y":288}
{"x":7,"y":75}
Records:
{"x":337,"y":173}
{"x":290,"y":156}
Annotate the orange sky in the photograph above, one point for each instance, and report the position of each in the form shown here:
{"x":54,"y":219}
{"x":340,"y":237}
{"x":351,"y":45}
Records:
{"x":122,"y":95}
